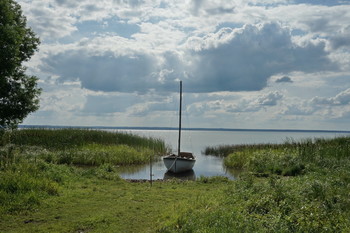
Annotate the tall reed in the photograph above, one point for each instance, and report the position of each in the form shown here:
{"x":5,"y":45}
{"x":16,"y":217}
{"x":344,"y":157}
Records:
{"x":290,"y":158}
{"x":58,"y":139}
{"x":96,"y":154}
{"x":313,"y":198}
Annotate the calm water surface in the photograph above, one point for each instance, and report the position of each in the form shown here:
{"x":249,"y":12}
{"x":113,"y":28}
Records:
{"x":197,"y":141}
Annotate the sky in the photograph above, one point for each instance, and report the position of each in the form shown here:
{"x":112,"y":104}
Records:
{"x":255,"y":64}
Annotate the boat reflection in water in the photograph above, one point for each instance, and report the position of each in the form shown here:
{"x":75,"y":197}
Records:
{"x":188,"y":175}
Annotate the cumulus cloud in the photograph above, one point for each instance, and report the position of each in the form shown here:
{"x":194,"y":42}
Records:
{"x":229,"y":60}
{"x":343,"y":98}
{"x":108,"y":104}
{"x":335,"y":107}
{"x":56,"y":19}
{"x":143,"y":109}
{"x":284,"y":79}
{"x":297,"y":108}
{"x":270,"y":99}
{"x":322,"y":2}
{"x":235,"y":104}
{"x":47,"y":21}
{"x":341,"y":39}
{"x":118,"y":52}
{"x":243,"y":60}
{"x":205,"y":7}
{"x":104,"y":72}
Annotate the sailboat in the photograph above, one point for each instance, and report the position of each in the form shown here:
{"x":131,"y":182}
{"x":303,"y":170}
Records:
{"x":182,"y":161}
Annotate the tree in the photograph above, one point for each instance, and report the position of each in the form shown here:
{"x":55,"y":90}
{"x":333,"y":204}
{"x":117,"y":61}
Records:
{"x":19,"y":93}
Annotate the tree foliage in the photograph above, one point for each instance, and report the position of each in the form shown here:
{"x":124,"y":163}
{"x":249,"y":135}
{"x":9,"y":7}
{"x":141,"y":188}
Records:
{"x":19,"y":93}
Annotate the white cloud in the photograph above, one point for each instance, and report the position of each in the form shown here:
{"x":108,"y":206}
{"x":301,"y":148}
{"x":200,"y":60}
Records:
{"x":229,"y":60}
{"x":270,"y":99}
{"x":296,"y":107}
{"x":284,"y":79}
{"x":105,"y":104}
{"x":237,"y":60}
{"x":107,"y":59}
{"x":106,"y":71}
{"x":343,"y":98}
{"x":47,"y":21}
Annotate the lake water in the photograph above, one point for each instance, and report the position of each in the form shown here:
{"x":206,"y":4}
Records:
{"x":196,"y":142}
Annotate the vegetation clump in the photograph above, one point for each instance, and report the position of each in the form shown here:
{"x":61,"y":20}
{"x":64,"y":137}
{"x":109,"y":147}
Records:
{"x":265,"y":162}
{"x":62,"y":139}
{"x":82,"y":147}
{"x":292,"y":187}
{"x":35,"y":163}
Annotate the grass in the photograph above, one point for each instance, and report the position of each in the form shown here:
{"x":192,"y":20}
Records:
{"x":225,"y":150}
{"x":265,"y":162}
{"x":34,"y":163}
{"x":63,"y":139}
{"x":275,"y":204}
{"x":96,"y":154}
{"x":105,"y":203}
{"x":23,"y":185}
{"x":42,"y":191}
{"x":293,"y":187}
{"x":80,"y":147}
{"x":291,"y":158}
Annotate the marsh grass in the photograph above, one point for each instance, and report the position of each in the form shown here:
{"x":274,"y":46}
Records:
{"x":290,"y":158}
{"x":292,"y":187}
{"x":35,"y":163}
{"x":96,"y":154}
{"x":79,"y":147}
{"x":265,"y":162}
{"x":62,"y":139}
{"x":225,"y":150}
{"x":310,"y":203}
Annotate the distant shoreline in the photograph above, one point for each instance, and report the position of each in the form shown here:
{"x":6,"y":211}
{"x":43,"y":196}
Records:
{"x":189,"y":129}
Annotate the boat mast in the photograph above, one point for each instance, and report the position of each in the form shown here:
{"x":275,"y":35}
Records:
{"x":179,"y":143}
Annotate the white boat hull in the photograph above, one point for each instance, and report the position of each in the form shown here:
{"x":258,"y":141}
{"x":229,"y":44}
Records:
{"x":178,"y":164}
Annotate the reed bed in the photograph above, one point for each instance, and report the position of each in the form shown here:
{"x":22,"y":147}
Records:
{"x":310,"y":203}
{"x":265,"y":162}
{"x":60,"y":139}
{"x":292,"y":187}
{"x":290,"y":158}
{"x":81,"y":147}
{"x":96,"y":154}
{"x":34,"y":163}
{"x":225,"y":150}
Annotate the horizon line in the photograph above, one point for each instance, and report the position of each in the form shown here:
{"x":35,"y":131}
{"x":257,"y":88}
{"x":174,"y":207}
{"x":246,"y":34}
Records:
{"x":185,"y":128}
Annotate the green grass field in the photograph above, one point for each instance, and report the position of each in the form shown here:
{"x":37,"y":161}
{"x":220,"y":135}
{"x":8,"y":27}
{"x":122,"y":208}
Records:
{"x":90,"y":203}
{"x":292,"y":187}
